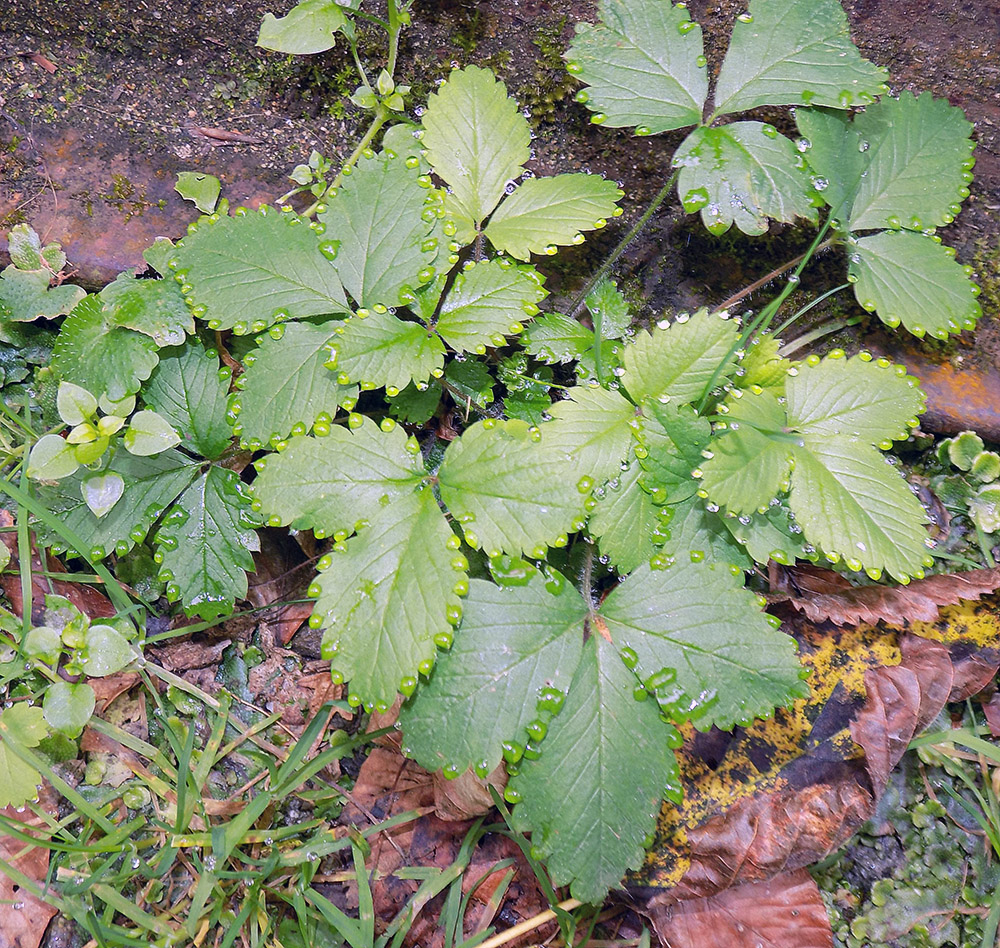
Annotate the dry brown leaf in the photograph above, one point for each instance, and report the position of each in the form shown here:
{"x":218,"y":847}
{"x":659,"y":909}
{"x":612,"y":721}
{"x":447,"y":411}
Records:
{"x":467,"y":796}
{"x":23,"y":918}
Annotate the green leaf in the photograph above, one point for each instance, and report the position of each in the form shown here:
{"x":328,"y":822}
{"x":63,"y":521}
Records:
{"x":795,"y":52}
{"x":767,"y":536}
{"x":206,"y":540}
{"x":487,"y":301}
{"x":153,"y":307}
{"x":381,"y":349}
{"x":249,"y":271}
{"x":910,"y":279}
{"x":105,"y":651}
{"x":701,"y":535}
{"x":851,"y":501}
{"x":67,"y":707}
{"x":702,"y":644}
{"x":743,"y":173}
{"x":678,"y":359}
{"x":75,"y":405}
{"x":415,"y":406}
{"x":389,"y":597}
{"x":25,"y":295}
{"x":673,"y":437}
{"x":200,"y":189}
{"x":644,"y":65}
{"x":514,"y":642}
{"x":309,"y":27}
{"x":21,"y":725}
{"x":836,"y":151}
{"x":607,"y":306}
{"x":589,"y":820}
{"x":149,"y":433}
{"x":543,"y":212}
{"x":150,"y":485}
{"x":476,"y":139}
{"x":286,"y":386}
{"x":96,"y":354}
{"x":383,"y":221}
{"x":330,"y":484}
{"x":870,"y":401}
{"x":27,"y":253}
{"x":916,"y":162}
{"x":554,"y":337}
{"x":509,"y":491}
{"x":625,"y":521}
{"x":187,"y":391}
{"x":470,"y":379}
{"x":51,"y":459}
{"x":101,"y":492}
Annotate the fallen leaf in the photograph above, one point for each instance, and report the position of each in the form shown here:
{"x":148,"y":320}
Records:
{"x":39,"y":60}
{"x":221,"y":136}
{"x":467,"y":796}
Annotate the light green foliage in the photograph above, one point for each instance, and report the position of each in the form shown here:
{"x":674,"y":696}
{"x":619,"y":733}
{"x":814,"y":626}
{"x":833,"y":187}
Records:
{"x":67,"y":707}
{"x":626,"y":521}
{"x":25,"y":295}
{"x":309,"y":27}
{"x":27,"y":253}
{"x":672,"y":438}
{"x":554,"y":337}
{"x":21,"y":726}
{"x":702,"y":535}
{"x":153,"y":307}
{"x":200,"y":189}
{"x":148,"y":434}
{"x":963,"y":449}
{"x":608,"y":309}
{"x":105,"y":650}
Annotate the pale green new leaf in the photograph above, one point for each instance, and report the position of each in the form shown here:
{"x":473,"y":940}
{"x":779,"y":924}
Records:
{"x":99,"y":356}
{"x":916,"y":161}
{"x":388,"y":595}
{"x":75,"y":404}
{"x":673,"y":438}
{"x":253,"y":270}
{"x":476,"y":139}
{"x":514,"y":641}
{"x":22,"y":725}
{"x":608,"y":308}
{"x":865,"y":400}
{"x":187,"y":391}
{"x":509,"y":491}
{"x":309,"y":27}
{"x":699,"y":535}
{"x":101,"y":492}
{"x":908,"y":278}
{"x":679,"y":359}
{"x":27,"y":253}
{"x":487,"y":302}
{"x":702,"y":643}
{"x":67,"y":707}
{"x":286,"y":385}
{"x":105,"y":650}
{"x":625,"y":520}
{"x":153,"y":307}
{"x":794,"y":52}
{"x":51,"y":459}
{"x":643,"y":63}
{"x":554,"y":337}
{"x":594,"y":794}
{"x":851,"y":501}
{"x":744,"y":173}
{"x":381,"y":349}
{"x":543,"y":212}
{"x":149,"y":433}
{"x":206,"y":541}
{"x":25,"y":295}
{"x":329,"y":484}
{"x":384,"y":239}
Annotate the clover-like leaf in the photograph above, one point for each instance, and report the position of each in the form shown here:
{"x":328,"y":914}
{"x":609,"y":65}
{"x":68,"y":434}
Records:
{"x":476,"y":139}
{"x":545,"y":212}
{"x":26,"y":295}
{"x":743,"y":173}
{"x":908,"y":278}
{"x":105,"y":650}
{"x":21,"y":726}
{"x":590,"y":834}
{"x":153,"y":307}
{"x":644,"y":65}
{"x":27,"y":253}
{"x":149,"y":433}
{"x":626,"y":521}
{"x":67,"y":707}
{"x":249,"y":271}
{"x":309,"y":27}
{"x":102,"y":491}
{"x":389,"y":597}
{"x":75,"y":404}
{"x":51,"y":459}
{"x":795,"y":52}
{"x":515,"y":641}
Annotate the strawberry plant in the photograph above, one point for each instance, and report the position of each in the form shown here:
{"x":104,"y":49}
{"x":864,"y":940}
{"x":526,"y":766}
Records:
{"x":558,"y":578}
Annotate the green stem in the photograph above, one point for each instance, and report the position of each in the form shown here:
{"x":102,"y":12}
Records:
{"x":818,"y":333}
{"x":395,"y":28}
{"x":633,"y":232}
{"x":358,"y":63}
{"x":805,"y":309}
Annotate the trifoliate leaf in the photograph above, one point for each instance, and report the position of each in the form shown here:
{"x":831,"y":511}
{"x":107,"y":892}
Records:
{"x":908,"y":278}
{"x":608,"y":308}
{"x":151,"y":484}
{"x":309,"y":27}
{"x":487,"y":302}
{"x":673,"y":438}
{"x":105,"y":651}
{"x":702,"y":644}
{"x":744,"y":173}
{"x":149,"y":433}
{"x":24,"y":726}
{"x":557,"y":338}
{"x":329,"y":484}
{"x":864,"y":400}
{"x":247,"y":272}
{"x":700,"y":535}
{"x":67,"y":707}
{"x":101,"y":492}
{"x":75,"y":404}
{"x":27,"y":253}
{"x":625,"y":520}
{"x":795,"y":52}
{"x":679,"y":359}
{"x":509,"y":491}
{"x":101,"y":357}
{"x":381,"y":349}
{"x":200,"y":189}
{"x":588,"y":820}
{"x":153,"y":307}
{"x":390,"y":596}
{"x":851,"y":501}
{"x":544,"y":212}
{"x":286,"y":386}
{"x":206,"y":540}
{"x":25,"y":295}
{"x":644,"y":65}
{"x":188,"y":393}
{"x":476,"y":139}
{"x":51,"y":459}
{"x":916,"y":153}
{"x":514,"y":642}
{"x":380,"y":217}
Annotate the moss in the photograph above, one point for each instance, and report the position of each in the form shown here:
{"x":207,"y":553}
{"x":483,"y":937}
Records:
{"x":986,"y":263}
